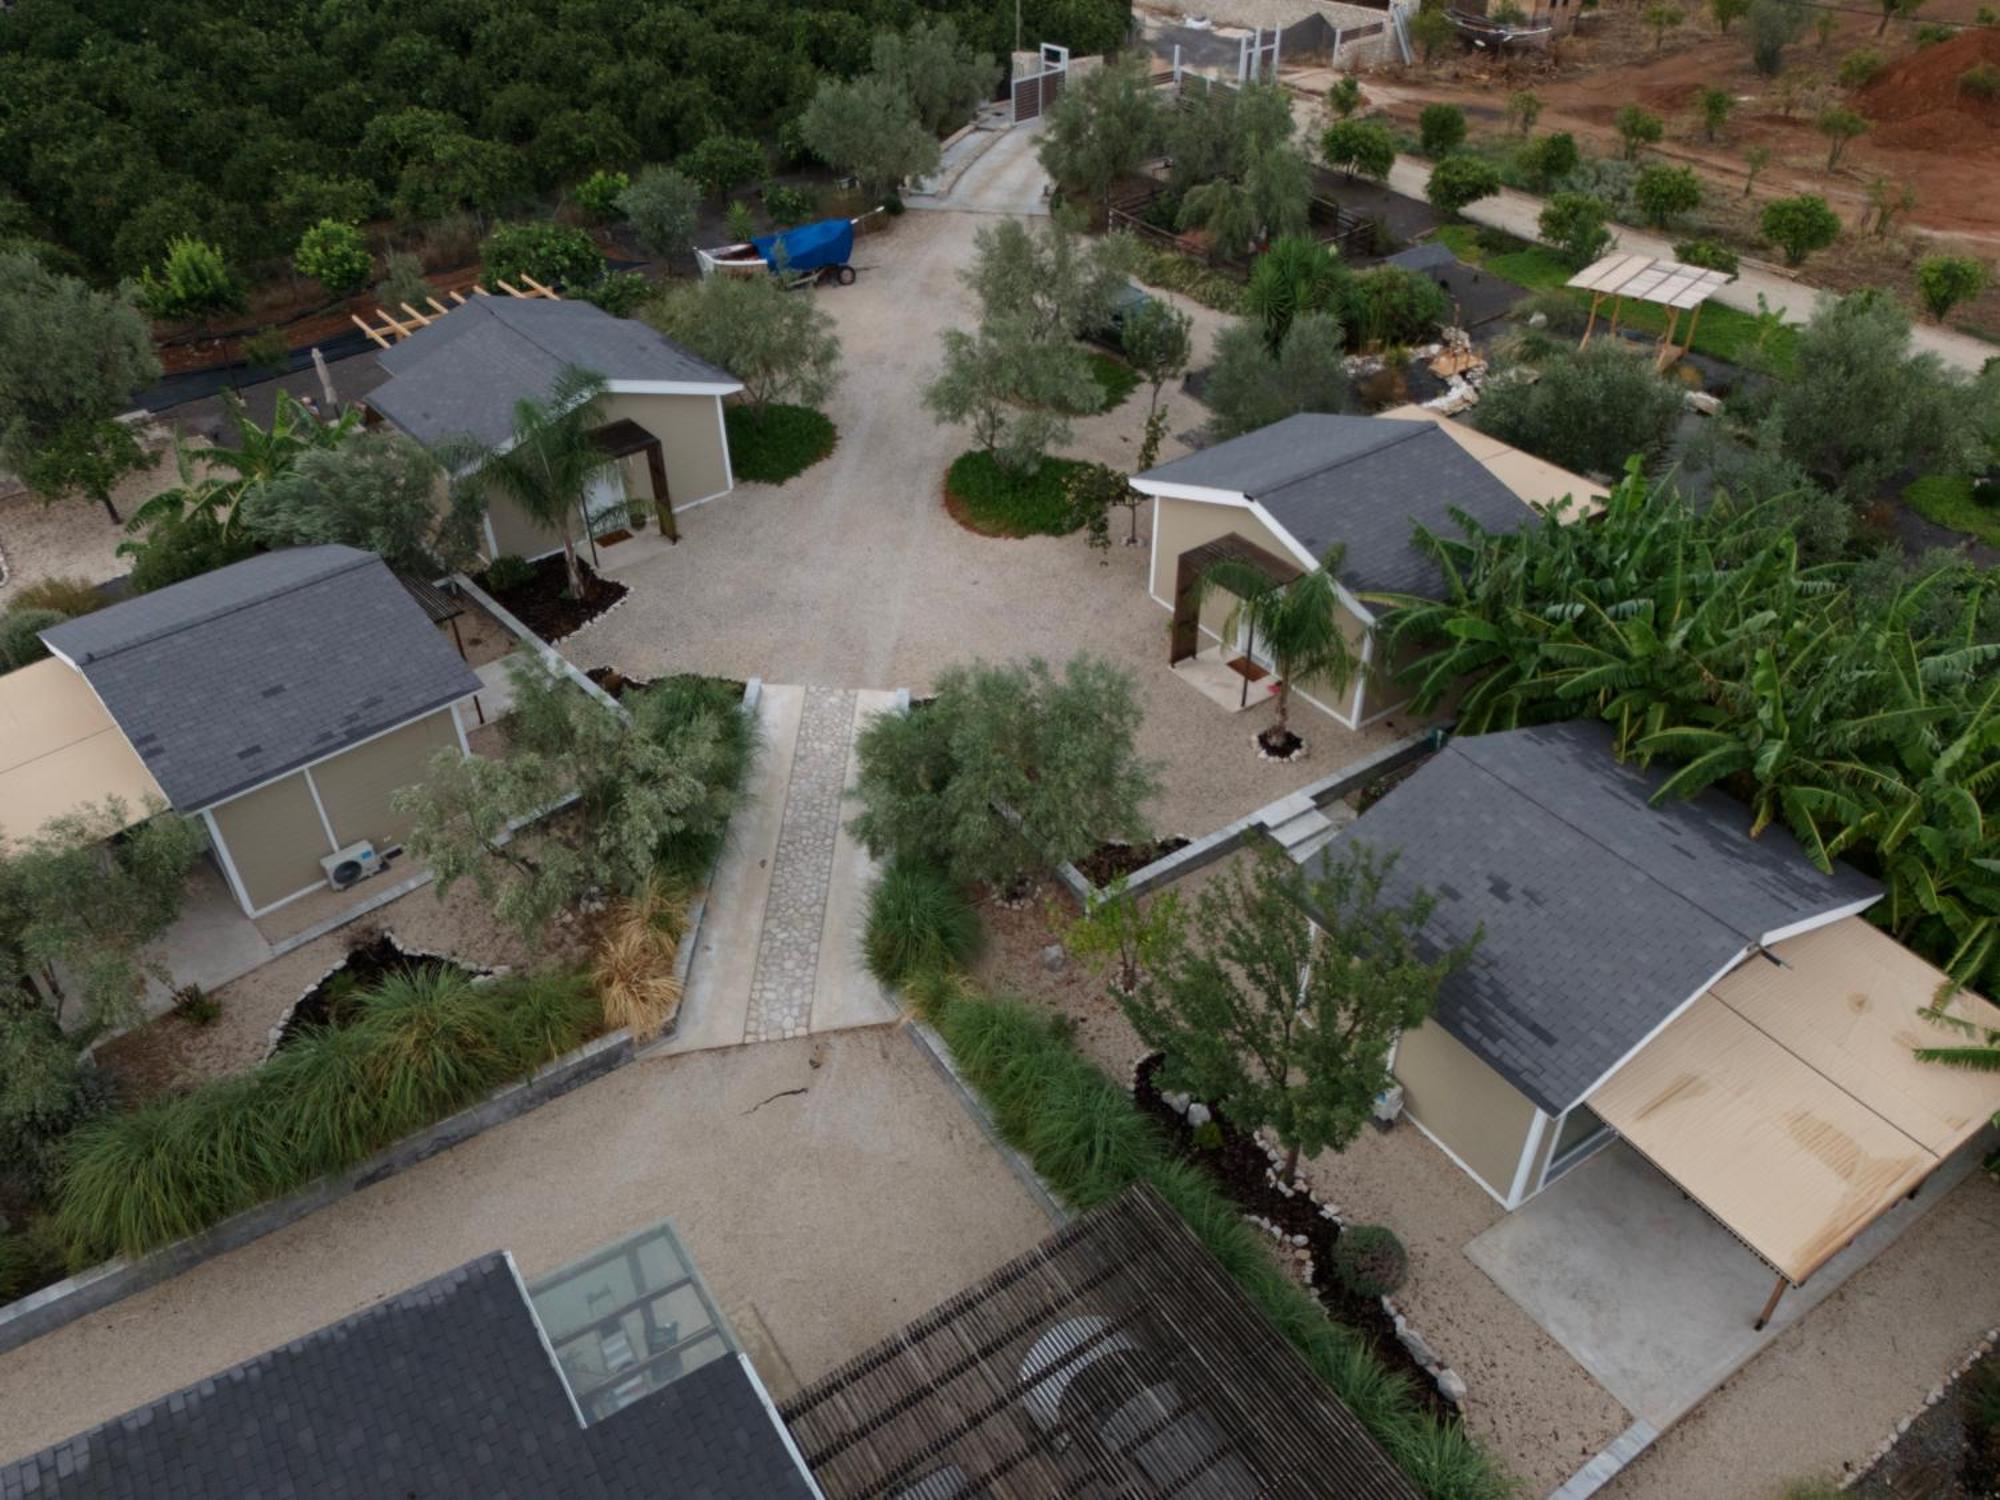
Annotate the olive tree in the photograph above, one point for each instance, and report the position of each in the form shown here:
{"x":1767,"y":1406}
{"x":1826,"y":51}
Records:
{"x":662,"y":206}
{"x":1250,"y":387}
{"x":1102,"y":128}
{"x":374,"y":490}
{"x":1009,"y":771}
{"x":1588,"y":410}
{"x":1279,"y":1000}
{"x":1361,"y":146}
{"x":944,"y":79}
{"x":866,"y":126}
{"x":1015,"y":390}
{"x":71,"y":358}
{"x":779,"y":343}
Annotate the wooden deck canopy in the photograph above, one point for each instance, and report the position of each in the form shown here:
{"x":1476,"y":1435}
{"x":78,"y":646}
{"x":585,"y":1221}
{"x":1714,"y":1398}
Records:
{"x":1664,"y":283}
{"x":1788,"y":1102}
{"x":396,"y":328}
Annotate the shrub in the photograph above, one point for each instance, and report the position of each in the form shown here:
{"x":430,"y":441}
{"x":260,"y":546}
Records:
{"x":1440,"y":130}
{"x":1772,"y":26}
{"x":1944,"y":281}
{"x":1981,"y":81}
{"x":918,"y":922}
{"x":995,"y":500}
{"x":621,"y":294}
{"x":687,"y":709}
{"x":598,"y":194}
{"x":738,"y":223}
{"x":508,"y":572}
{"x":336,"y":256}
{"x":1663,"y":192}
{"x":1706,"y":254}
{"x":1461,"y":180}
{"x":1575,"y":224}
{"x":1550,"y":159}
{"x":662,"y":206}
{"x":1930,"y":33}
{"x":1589,"y":411}
{"x":553,"y":254}
{"x":20,"y":636}
{"x":1344,"y":98}
{"x":1359,"y":146}
{"x":1636,"y":127}
{"x":789,"y":205}
{"x":68,"y":597}
{"x":1250,"y":387}
{"x":1860,"y":67}
{"x":778,"y":443}
{"x":1798,"y":226}
{"x":1715,"y":107}
{"x":722,"y":162}
{"x":1369,"y":1260}
{"x":269,"y":350}
{"x":1184,"y":274}
{"x":1392,"y":305}
{"x":30,"y":1259}
{"x":634,"y":971}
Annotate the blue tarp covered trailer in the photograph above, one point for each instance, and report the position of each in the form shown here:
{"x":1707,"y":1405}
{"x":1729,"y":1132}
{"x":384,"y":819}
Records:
{"x":810,"y":248}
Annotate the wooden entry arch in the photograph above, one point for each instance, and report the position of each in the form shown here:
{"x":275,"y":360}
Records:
{"x":1195,"y":563}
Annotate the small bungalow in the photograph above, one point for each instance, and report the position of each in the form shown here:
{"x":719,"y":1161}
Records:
{"x":281,"y":701}
{"x":1653,"y":974}
{"x":1278,"y":498}
{"x":463,"y":375}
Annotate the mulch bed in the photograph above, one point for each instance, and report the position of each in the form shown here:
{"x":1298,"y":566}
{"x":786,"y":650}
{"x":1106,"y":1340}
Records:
{"x":1242,"y":1169}
{"x":373,"y":959}
{"x":542,"y":603}
{"x":1107,"y":862}
{"x":1941,"y":1455}
{"x":616,"y":683}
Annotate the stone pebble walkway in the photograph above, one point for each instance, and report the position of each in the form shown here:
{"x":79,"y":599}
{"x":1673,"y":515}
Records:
{"x":781,"y":987}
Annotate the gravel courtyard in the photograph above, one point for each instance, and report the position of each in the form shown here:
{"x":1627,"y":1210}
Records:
{"x":830,"y":1189}
{"x":854,"y":576}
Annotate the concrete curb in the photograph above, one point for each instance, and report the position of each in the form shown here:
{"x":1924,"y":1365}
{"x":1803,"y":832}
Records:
{"x":91,"y":1291}
{"x":1607,"y":1464}
{"x":932,"y":1046}
{"x":1231,"y":836}
{"x":536,"y":644}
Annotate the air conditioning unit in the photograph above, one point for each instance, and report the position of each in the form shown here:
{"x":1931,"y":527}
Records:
{"x":351,"y":865}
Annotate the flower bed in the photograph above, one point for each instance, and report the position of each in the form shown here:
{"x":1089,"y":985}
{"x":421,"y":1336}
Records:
{"x":1244,"y":1169}
{"x":542,"y":602}
{"x":334,"y":998}
{"x":1112,"y":861}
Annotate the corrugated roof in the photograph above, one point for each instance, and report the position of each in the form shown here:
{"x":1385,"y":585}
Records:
{"x":1601,"y":913}
{"x":1362,"y":482}
{"x":442,"y":1390}
{"x":1788,"y":1100}
{"x":464,"y":374}
{"x":229,"y":679}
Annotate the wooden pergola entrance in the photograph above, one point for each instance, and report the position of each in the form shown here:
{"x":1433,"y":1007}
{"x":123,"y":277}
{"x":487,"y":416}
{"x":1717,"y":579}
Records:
{"x":1194,"y":565}
{"x":622,"y":439}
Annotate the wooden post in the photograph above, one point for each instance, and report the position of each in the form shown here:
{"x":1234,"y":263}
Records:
{"x":1771,"y":1305}
{"x":1596,"y":301}
{"x":1617,"y":310}
{"x":325,"y":381}
{"x":1694,"y":322}
{"x":663,"y":502}
{"x":1666,"y":355}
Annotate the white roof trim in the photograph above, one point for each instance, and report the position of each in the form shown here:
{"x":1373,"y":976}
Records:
{"x":673,"y":387}
{"x":1825,"y":918}
{"x":1166,"y":489}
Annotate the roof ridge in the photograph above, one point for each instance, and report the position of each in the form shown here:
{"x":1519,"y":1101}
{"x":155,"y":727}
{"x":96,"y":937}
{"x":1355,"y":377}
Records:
{"x":223,"y":612}
{"x":1585,"y":833}
{"x":1388,"y":440}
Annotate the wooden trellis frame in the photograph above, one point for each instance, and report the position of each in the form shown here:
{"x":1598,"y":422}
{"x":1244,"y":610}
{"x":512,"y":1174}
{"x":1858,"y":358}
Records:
{"x":394,"y":328}
{"x":1664,"y":283}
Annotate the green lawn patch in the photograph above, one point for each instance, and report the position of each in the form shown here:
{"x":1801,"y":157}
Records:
{"x":1725,"y":333}
{"x":1952,"y":500}
{"x":777,"y":443}
{"x":1089,"y":1142}
{"x":1116,"y":378}
{"x":996,"y":501}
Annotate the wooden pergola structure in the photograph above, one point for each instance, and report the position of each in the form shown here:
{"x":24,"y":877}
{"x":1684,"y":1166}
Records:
{"x":622,"y":439}
{"x":1664,"y":283}
{"x":395,"y":328}
{"x":1185,"y":639}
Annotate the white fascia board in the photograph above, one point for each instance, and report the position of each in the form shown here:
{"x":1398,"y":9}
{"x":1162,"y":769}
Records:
{"x":673,"y":387}
{"x":1533,"y":1144}
{"x":1166,"y":489}
{"x":1824,"y":919}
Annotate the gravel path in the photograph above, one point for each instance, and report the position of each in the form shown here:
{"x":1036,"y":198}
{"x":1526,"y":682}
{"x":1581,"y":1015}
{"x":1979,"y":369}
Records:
{"x":831,"y":1189}
{"x":854,"y":576}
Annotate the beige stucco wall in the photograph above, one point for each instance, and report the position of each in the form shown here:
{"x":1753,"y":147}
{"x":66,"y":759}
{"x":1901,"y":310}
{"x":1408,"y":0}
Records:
{"x":355,"y":788}
{"x":274,"y":839}
{"x":692,"y":446}
{"x":1464,"y":1103}
{"x":1181,"y":524}
{"x":690,"y":432}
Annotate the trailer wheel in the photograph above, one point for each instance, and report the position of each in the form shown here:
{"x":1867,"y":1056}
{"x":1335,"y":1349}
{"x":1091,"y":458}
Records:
{"x":843,"y":275}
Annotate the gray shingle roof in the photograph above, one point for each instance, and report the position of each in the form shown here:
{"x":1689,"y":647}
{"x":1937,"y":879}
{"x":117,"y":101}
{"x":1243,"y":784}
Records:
{"x":442,"y":1391}
{"x":463,"y":375}
{"x":1366,"y":482}
{"x":227,"y":680}
{"x":1602,"y":914}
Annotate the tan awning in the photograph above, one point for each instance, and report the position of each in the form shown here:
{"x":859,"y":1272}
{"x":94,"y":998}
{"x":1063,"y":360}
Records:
{"x":1786,"y":1100}
{"x":60,"y":752}
{"x":1536,"y":481}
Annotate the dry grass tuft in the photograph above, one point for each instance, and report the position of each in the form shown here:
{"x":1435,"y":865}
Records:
{"x":636,"y":958}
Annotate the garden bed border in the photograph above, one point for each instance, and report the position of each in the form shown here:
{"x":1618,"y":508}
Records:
{"x":90,"y":1291}
{"x":542,"y":648}
{"x":1230,"y":837}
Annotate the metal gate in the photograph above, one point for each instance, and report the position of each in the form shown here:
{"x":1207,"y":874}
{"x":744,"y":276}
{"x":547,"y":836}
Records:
{"x":1036,"y":92}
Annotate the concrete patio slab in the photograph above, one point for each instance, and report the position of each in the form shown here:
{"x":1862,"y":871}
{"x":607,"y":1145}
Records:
{"x":1649,"y":1294}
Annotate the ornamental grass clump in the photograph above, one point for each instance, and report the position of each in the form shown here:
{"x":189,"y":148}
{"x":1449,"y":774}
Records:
{"x":635,"y":970}
{"x":918,"y":923}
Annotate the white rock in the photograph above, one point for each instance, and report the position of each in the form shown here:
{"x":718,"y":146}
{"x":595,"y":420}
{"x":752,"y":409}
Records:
{"x":1701,"y":403}
{"x":1178,"y":1103}
{"x":1451,"y":1386}
{"x":1054,"y":959}
{"x":1198,"y":1115}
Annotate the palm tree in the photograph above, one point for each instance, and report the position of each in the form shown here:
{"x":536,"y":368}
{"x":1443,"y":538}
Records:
{"x":548,"y":466}
{"x":1298,"y":623}
{"x":262,"y":454}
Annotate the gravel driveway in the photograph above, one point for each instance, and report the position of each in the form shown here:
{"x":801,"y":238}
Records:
{"x":854,"y":576}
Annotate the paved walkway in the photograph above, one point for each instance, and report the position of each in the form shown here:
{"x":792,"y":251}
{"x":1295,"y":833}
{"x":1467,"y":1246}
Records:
{"x":780,"y":949}
{"x":1519,"y":213}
